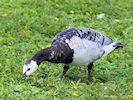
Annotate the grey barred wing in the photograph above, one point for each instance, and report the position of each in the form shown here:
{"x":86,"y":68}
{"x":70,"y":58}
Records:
{"x":84,"y":33}
{"x":94,"y":36}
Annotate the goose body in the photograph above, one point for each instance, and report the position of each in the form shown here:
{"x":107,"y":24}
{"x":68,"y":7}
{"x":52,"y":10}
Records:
{"x":86,"y":45}
{"x":74,"y":46}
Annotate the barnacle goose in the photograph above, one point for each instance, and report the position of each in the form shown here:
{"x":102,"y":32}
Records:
{"x":73,"y":46}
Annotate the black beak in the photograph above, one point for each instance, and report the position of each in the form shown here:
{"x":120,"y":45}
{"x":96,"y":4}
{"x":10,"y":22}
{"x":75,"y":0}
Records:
{"x":24,"y":76}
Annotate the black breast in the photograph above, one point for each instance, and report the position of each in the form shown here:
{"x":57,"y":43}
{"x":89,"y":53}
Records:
{"x":61,"y":52}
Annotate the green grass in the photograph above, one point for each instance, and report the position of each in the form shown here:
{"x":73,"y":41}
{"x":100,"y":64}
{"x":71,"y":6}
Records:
{"x":27,"y":26}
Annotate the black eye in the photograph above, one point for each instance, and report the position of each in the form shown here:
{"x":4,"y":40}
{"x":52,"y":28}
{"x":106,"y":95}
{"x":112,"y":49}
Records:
{"x":28,"y":69}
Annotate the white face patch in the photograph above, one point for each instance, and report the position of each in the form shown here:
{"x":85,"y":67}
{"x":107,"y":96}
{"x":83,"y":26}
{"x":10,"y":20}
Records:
{"x":85,"y":51}
{"x":30,"y":68}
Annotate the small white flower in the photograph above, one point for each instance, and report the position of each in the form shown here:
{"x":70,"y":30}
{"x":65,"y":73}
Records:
{"x":105,"y":88}
{"x":100,"y":16}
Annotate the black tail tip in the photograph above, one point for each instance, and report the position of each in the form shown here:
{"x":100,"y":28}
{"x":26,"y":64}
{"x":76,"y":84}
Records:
{"x":119,"y":45}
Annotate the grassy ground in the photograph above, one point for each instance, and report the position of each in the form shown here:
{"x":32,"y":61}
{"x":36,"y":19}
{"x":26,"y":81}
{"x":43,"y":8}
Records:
{"x":27,"y":26}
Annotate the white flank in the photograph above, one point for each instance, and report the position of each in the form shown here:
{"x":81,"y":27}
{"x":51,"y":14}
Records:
{"x":32,"y":66}
{"x":85,"y":51}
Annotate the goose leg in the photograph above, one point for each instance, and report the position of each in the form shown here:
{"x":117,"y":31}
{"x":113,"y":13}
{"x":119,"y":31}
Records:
{"x":89,"y":71}
{"x":64,"y":72}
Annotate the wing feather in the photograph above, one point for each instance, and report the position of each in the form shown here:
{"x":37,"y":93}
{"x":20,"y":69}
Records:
{"x":87,"y":33}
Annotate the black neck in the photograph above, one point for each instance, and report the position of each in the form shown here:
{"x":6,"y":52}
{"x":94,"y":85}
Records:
{"x":42,"y":55}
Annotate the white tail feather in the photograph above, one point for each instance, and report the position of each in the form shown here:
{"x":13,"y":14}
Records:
{"x":109,"y":48}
